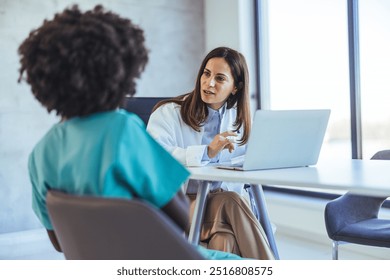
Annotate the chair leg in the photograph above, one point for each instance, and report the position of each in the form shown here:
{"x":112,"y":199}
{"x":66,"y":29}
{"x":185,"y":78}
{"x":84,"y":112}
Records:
{"x":335,"y":250}
{"x":252,"y":201}
{"x":261,"y":205}
{"x":197,"y":219}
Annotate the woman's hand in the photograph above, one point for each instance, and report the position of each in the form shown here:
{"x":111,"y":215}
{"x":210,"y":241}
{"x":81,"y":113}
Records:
{"x":221,"y":142}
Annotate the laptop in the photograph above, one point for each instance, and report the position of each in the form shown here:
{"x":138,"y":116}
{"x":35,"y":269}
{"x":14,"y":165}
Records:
{"x":283,"y":139}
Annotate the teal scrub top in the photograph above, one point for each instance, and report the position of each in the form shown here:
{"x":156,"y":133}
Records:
{"x":107,"y":154}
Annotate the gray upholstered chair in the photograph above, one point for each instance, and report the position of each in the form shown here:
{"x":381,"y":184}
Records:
{"x":354,"y":218}
{"x":115,"y":229}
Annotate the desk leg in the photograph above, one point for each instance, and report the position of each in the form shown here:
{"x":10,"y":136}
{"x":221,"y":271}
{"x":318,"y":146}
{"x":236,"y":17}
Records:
{"x":197,"y":217}
{"x":264,"y":218}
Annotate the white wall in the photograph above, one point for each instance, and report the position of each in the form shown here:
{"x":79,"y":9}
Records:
{"x":174,"y":34}
{"x":230,"y":23}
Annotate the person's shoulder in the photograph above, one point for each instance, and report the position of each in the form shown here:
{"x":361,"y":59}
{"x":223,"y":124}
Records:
{"x":166,"y":113}
{"x":108,"y":122}
{"x":130,"y":125}
{"x":170,"y":105}
{"x":231,"y":112}
{"x":50,"y":135}
{"x":168,"y":108}
{"x":48,"y":140}
{"x":123,"y":117}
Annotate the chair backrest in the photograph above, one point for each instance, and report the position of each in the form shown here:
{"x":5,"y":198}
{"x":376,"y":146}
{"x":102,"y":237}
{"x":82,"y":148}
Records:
{"x":347,"y":209}
{"x":115,"y":229}
{"x":384,"y":155}
{"x":142,"y":106}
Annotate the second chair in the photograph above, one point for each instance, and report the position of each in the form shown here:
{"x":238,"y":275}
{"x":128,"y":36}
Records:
{"x":354,"y":218}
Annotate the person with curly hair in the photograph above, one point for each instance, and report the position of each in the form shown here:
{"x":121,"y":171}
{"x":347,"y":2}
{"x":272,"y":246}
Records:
{"x":81,"y":65}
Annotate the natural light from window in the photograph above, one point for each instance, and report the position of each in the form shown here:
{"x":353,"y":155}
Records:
{"x":375,"y":74}
{"x":308,"y":46}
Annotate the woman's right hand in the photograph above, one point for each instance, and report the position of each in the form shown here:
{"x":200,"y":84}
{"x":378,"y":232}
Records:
{"x":221,"y":142}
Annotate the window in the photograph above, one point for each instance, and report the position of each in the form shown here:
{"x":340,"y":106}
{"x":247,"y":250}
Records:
{"x":374,"y":26}
{"x":307,"y":42}
{"x":308,"y":61}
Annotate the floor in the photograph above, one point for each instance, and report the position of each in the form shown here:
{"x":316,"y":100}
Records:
{"x":34,"y":245}
{"x":30,"y":245}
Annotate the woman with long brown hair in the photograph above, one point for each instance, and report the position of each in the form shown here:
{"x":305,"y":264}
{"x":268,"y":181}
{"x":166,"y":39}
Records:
{"x":212,"y":124}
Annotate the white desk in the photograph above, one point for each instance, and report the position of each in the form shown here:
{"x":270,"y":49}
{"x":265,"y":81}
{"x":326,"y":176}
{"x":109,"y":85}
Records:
{"x":366,"y":177}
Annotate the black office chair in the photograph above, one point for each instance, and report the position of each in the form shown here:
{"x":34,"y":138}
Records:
{"x":97,"y":228}
{"x":354,"y":218}
{"x":142,"y":106}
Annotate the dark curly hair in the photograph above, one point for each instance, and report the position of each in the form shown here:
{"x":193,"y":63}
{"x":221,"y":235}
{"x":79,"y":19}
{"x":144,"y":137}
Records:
{"x":82,"y":63}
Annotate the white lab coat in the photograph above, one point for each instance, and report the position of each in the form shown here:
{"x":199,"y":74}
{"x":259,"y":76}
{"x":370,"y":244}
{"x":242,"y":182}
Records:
{"x":184,"y":143}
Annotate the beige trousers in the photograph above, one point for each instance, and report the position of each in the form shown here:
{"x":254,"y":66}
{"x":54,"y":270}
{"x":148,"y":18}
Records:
{"x":229,"y":225}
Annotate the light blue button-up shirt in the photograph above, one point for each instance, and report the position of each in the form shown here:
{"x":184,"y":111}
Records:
{"x":211,"y":128}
